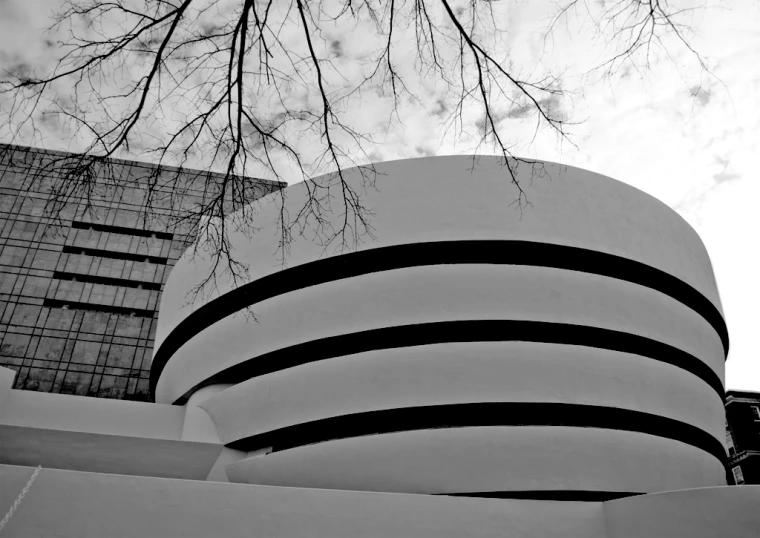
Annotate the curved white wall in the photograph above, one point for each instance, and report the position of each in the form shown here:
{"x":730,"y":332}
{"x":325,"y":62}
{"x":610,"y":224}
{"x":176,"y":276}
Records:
{"x":728,"y":512}
{"x":441,"y":293}
{"x":446,"y":198}
{"x":464,"y":373}
{"x":663,"y":366}
{"x":488,"y":460}
{"x":69,"y":504}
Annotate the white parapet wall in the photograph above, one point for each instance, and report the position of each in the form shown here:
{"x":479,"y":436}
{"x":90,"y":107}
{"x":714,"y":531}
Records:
{"x":63,"y":431}
{"x":71,"y":504}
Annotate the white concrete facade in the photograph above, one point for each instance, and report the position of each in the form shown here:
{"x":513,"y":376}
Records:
{"x":298,"y":367}
{"x":74,"y":504}
{"x":395,"y":402}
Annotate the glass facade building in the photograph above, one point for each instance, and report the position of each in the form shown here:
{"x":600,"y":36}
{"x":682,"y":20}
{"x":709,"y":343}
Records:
{"x":79,"y":296}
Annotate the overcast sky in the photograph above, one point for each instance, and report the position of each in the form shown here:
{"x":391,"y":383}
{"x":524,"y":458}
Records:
{"x":674,"y":132}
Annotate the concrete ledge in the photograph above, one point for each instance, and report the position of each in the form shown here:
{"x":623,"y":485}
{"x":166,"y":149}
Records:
{"x":62,"y":431}
{"x":95,"y":415}
{"x":75,"y":504}
{"x":728,"y":512}
{"x":61,"y":449}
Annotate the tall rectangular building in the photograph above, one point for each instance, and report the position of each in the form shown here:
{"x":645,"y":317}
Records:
{"x":79,"y":297}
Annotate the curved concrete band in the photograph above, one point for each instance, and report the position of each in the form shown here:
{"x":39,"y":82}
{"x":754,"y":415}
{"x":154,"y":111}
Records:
{"x":437,"y":374}
{"x":486,"y":459}
{"x":647,"y":347}
{"x":397,"y":257}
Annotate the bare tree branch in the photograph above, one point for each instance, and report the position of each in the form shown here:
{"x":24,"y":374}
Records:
{"x":262,"y":87}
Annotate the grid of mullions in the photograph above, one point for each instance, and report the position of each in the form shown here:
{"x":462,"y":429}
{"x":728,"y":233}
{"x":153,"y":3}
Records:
{"x":88,"y":353}
{"x":89,"y":336}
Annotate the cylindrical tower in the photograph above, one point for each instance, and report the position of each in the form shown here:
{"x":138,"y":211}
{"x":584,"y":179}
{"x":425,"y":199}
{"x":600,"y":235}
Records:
{"x":570,"y":349}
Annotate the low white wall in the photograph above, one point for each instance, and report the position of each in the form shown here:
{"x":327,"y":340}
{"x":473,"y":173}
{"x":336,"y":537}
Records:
{"x":64,"y":431}
{"x":93,"y":452}
{"x":69,"y":504}
{"x":727,"y":512}
{"x":94,"y":415}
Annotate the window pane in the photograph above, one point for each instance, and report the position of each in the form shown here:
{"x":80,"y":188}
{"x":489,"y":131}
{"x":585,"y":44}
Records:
{"x":50,"y":349}
{"x":86,"y":352}
{"x":26,"y":315}
{"x":14,"y":345}
{"x":738,"y":476}
{"x":60,"y":319}
{"x":95,"y":322}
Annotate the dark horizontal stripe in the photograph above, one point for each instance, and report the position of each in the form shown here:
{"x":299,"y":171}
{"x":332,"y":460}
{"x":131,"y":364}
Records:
{"x":471,"y":415}
{"x":73,"y":305}
{"x":549,"y":495}
{"x":125,"y":230}
{"x":107,"y":281}
{"x":443,"y":332}
{"x":498,"y":252}
{"x":112,"y":254}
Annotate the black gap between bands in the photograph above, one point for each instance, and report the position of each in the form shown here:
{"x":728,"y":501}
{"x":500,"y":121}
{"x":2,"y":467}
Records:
{"x":485,"y":414}
{"x":493,"y":252}
{"x":460,"y":331}
{"x":568,"y":495}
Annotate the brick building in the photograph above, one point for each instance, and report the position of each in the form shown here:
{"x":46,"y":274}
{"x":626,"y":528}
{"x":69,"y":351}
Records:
{"x":743,"y":437}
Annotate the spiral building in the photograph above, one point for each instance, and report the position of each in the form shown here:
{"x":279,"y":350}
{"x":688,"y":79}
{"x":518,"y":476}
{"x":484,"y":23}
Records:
{"x":538,"y":357}
{"x":573,"y":348}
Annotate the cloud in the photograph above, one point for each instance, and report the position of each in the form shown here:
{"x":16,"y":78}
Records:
{"x":695,"y":199}
{"x":440,"y":108}
{"x":552,"y":105}
{"x":8,"y":10}
{"x":520,"y":111}
{"x":16,"y":67}
{"x":724,"y":175}
{"x":483,"y":128}
{"x":700,"y":95}
{"x":336,"y":48}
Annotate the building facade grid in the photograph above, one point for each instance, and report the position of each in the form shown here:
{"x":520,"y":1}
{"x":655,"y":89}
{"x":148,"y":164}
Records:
{"x":79,"y":297}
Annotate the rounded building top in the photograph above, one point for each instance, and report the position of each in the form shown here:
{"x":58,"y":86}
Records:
{"x":458,"y":199}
